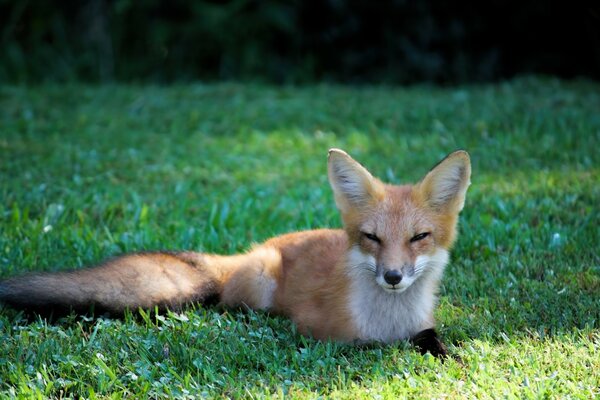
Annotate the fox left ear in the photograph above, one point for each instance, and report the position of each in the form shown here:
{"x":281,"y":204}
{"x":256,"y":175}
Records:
{"x":444,"y":188}
{"x":353,"y":186}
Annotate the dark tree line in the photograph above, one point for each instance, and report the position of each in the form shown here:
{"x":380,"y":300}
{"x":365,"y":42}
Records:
{"x":396,"y":41}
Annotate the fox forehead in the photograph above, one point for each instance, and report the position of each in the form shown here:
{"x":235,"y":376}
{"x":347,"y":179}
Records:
{"x":405,"y":211}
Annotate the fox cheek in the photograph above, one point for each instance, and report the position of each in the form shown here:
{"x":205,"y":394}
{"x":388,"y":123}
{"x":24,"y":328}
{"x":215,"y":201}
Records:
{"x":422,"y":246}
{"x":410,"y":270}
{"x":369,"y":248}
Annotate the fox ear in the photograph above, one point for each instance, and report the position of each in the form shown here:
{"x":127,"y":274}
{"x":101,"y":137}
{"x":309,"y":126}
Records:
{"x":444,"y":188}
{"x":353,"y":186}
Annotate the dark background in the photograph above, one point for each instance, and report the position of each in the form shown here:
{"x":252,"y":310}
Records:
{"x":349,"y":41}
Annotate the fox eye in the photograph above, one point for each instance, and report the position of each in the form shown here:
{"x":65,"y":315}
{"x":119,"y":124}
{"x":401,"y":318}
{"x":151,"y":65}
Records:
{"x":420,"y":236}
{"x":372,"y":236}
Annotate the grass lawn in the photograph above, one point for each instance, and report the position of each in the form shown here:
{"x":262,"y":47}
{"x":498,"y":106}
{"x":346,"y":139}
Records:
{"x":87,"y":172}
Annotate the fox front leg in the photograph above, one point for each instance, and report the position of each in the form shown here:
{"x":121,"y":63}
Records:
{"x":429,"y":341}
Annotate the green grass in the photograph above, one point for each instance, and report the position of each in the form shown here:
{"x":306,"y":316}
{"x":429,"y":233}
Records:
{"x":89,"y":172}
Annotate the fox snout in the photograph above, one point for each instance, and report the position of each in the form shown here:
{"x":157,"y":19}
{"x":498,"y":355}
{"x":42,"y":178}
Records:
{"x":392,"y":277}
{"x":395,"y":279}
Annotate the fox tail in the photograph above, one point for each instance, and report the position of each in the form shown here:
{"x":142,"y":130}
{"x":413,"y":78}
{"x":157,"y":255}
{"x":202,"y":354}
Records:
{"x":145,"y":280}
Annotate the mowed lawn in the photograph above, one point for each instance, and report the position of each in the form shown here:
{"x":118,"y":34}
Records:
{"x":88,"y":172}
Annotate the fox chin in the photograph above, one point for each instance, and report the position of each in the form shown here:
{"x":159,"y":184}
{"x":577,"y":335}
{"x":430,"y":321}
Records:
{"x":375,"y":280}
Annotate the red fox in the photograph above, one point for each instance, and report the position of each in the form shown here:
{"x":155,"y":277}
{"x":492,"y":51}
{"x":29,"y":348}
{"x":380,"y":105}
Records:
{"x":374,"y":281}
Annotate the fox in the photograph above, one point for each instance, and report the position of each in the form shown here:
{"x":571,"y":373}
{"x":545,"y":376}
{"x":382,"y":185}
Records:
{"x":375,"y":280}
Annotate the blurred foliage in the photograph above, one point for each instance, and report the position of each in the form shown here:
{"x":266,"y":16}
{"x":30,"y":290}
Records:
{"x":291,"y":41}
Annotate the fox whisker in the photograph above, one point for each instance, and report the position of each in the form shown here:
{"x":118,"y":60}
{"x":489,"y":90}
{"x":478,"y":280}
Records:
{"x":370,"y":267}
{"x":421,"y":266}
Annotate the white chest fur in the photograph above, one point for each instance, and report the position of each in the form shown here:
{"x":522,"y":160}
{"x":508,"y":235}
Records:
{"x":386,"y":317}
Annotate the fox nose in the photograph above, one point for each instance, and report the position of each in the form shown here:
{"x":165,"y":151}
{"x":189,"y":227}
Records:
{"x":393,"y":277}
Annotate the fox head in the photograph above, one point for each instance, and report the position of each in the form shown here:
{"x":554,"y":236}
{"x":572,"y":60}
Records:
{"x":399,"y":233}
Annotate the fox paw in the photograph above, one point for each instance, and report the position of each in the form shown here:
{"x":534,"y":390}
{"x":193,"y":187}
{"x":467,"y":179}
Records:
{"x":428,"y":341}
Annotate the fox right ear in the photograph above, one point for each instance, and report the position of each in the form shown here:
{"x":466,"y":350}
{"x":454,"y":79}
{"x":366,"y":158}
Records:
{"x":353,"y":186}
{"x":445,"y":186}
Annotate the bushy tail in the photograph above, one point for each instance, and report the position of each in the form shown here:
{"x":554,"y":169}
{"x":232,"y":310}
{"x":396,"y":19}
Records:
{"x":166,"y":280}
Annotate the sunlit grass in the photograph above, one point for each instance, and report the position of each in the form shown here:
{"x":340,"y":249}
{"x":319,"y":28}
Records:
{"x":90,"y":172}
